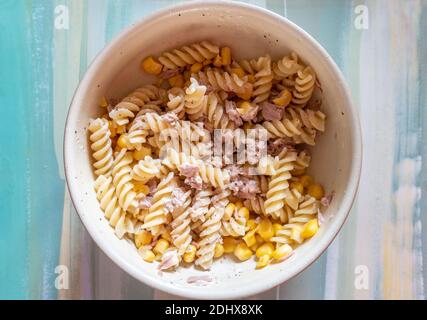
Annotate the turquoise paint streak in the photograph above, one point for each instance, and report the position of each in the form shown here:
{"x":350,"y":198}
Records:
{"x":45,"y":195}
{"x":14,"y":155}
{"x":31,"y":191}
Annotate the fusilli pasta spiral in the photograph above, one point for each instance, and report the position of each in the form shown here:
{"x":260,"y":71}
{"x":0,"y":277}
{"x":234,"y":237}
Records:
{"x":101,"y":146}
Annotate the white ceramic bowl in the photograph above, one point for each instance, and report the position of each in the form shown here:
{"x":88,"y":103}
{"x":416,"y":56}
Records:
{"x":250,"y":31}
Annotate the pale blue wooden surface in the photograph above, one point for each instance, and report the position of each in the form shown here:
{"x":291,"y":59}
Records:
{"x":386,"y":68}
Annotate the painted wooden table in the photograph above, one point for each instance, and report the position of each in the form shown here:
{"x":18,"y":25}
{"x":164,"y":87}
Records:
{"x":381,"y":47}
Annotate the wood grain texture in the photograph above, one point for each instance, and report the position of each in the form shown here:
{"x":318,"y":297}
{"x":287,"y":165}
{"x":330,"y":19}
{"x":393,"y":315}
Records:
{"x":385,"y":66}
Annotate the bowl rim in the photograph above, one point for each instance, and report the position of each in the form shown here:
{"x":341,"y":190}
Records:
{"x":345,"y":205}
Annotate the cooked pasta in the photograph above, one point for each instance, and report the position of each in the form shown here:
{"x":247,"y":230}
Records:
{"x":211,"y":160}
{"x":188,"y":55}
{"x":101,"y":146}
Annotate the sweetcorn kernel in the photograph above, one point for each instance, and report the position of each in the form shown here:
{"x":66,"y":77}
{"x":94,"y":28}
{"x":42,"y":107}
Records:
{"x":282,"y":252}
{"x":219,"y":250}
{"x":259,"y":239}
{"x":265,"y":229}
{"x":316,"y":191}
{"x":142,"y":153}
{"x":265,"y":249}
{"x":244,"y":212}
{"x":251,"y":224}
{"x":229,"y":244}
{"x":161,"y":246}
{"x":306,"y":181}
{"x":246,"y":92}
{"x":226,"y":56}
{"x":123,"y":141}
{"x":166,"y":235}
{"x":140,"y":187}
{"x":242,"y":252}
{"x":238,"y":71}
{"x":310,"y":229}
{"x":148,"y":255}
{"x":177,"y":81}
{"x":113,"y":131}
{"x":196,"y":67}
{"x":143,"y":238}
{"x":190,"y":254}
{"x":298,"y":186}
{"x":151,"y":66}
{"x":263,"y":261}
{"x":250,"y":239}
{"x":217,"y":61}
{"x":103,"y":102}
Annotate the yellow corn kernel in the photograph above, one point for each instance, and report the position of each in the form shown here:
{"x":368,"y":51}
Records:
{"x":166,"y":235}
{"x":238,"y":71}
{"x":263,"y":261}
{"x":148,"y":255}
{"x":244,"y":212}
{"x":306,"y":181}
{"x":245,"y":107}
{"x":254,"y":247}
{"x":151,"y":66}
{"x":103,"y":102}
{"x":229,"y":244}
{"x":143,"y":238}
{"x":217,"y":61}
{"x":282,"y":252}
{"x":196,"y":67}
{"x":190,"y":254}
{"x":229,"y":210}
{"x":226,"y":56}
{"x":246,"y":92}
{"x":316,"y":191}
{"x":283,"y":99}
{"x":265,"y":229}
{"x":177,"y":81}
{"x":259,"y":239}
{"x":277,"y":227}
{"x":123,"y":141}
{"x":250,"y":239}
{"x":265,"y":249}
{"x":310,"y":229}
{"x":113,"y":131}
{"x":298,"y":186}
{"x":238,"y":204}
{"x":142,"y":153}
{"x":242,"y":252}
{"x":140,"y":187}
{"x":251,"y":78}
{"x":161,"y":246}
{"x":219,"y":250}
{"x":251,"y":224}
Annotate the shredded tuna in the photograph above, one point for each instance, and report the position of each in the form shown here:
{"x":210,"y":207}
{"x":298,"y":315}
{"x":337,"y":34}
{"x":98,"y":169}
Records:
{"x":176,"y":200}
{"x":251,"y":114}
{"x":271,"y":112}
{"x":169,"y":73}
{"x":189,"y":170}
{"x":202,"y":280}
{"x":152,"y":184}
{"x":244,"y":188}
{"x":170,"y":260}
{"x":233,"y":114}
{"x":234,"y":171}
{"x":326,"y":200}
{"x":276,"y":146}
{"x":194,"y":182}
{"x":171,"y":118}
{"x":145,"y":203}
